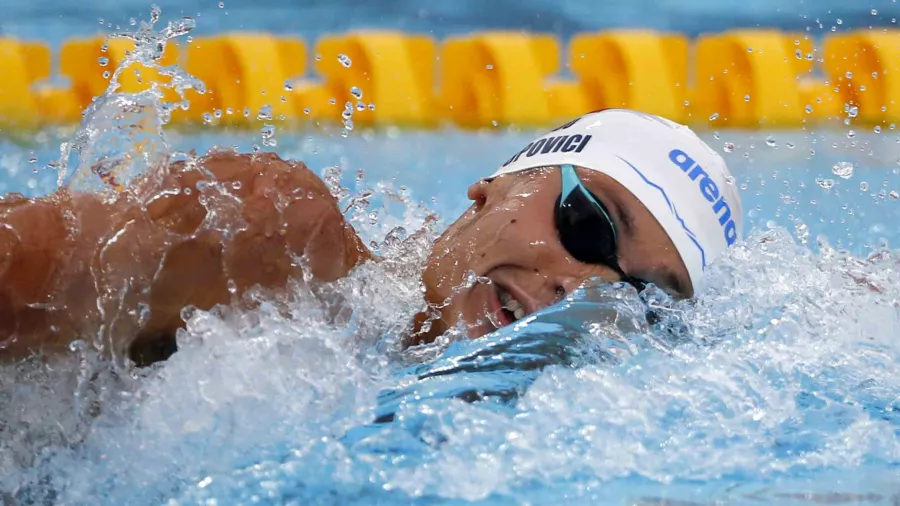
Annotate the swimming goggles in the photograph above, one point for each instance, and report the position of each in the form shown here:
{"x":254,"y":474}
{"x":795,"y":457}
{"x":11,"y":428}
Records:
{"x":585,"y":227}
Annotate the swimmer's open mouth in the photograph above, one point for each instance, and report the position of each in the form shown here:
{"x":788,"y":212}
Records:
{"x":508,"y":309}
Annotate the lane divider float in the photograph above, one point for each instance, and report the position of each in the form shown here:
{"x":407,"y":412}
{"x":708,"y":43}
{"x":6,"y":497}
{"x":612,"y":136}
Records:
{"x":737,"y":78}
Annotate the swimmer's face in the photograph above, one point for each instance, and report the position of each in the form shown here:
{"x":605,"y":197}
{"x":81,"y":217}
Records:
{"x":509,"y":236}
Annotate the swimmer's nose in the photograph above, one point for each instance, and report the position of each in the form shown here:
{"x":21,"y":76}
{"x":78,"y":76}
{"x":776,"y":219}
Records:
{"x":566,"y":285}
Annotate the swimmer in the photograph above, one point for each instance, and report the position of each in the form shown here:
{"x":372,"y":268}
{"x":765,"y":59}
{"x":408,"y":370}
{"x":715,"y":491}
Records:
{"x":615,"y":194}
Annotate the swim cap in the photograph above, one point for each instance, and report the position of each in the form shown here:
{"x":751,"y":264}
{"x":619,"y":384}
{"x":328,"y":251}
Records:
{"x":684,"y":184}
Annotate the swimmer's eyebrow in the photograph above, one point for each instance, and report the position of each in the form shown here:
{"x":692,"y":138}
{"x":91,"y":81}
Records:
{"x":624,"y":217}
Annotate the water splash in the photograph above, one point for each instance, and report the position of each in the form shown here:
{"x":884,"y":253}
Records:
{"x":121,"y":134}
{"x":785,"y":369}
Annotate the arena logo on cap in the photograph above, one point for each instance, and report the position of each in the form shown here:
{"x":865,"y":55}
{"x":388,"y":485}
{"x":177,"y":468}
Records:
{"x":709,"y":190}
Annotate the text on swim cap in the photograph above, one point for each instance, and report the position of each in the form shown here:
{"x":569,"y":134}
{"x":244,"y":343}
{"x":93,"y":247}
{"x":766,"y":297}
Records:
{"x":564,"y":143}
{"x":709,"y":190}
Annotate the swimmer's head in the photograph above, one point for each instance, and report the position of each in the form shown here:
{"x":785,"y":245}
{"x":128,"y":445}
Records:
{"x":617,"y":194}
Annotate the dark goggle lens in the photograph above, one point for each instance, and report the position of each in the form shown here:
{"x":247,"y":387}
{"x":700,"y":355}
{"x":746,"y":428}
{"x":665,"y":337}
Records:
{"x":585,"y":231}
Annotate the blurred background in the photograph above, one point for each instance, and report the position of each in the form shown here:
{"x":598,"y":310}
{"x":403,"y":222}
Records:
{"x":53,"y":20}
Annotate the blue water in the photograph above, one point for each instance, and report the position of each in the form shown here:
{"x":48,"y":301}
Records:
{"x":54,"y":20}
{"x":778,"y":384}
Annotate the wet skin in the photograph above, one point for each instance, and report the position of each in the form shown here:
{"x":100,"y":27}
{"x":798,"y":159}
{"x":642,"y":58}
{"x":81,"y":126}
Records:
{"x":119,"y":273}
{"x":508,"y":235}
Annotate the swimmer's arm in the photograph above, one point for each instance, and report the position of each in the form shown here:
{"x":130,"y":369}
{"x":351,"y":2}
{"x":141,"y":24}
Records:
{"x":59,"y":281}
{"x":290,"y":227}
{"x":46,"y":290}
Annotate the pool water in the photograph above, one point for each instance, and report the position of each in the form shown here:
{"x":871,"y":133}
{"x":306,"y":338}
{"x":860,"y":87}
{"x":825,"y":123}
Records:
{"x":777,"y":384}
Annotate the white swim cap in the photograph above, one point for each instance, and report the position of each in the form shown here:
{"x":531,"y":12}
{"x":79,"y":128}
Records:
{"x":684,"y":184}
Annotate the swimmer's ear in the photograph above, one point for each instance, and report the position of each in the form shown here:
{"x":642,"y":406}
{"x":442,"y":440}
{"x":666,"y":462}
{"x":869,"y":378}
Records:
{"x":478,"y":193}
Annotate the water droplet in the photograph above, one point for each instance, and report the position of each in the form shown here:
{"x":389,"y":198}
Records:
{"x":103,"y":61}
{"x":132,"y":21}
{"x":489,"y":66}
{"x":849,"y":75}
{"x":265,"y":113}
{"x":843,"y":170}
{"x":318,"y":57}
{"x":894,"y":195}
{"x":840,"y":21}
{"x":106,"y":74}
{"x":864,"y":186}
{"x":345,"y":60}
{"x":809,"y":109}
{"x":494,"y":122}
{"x":306,"y":110}
{"x":229,"y":110}
{"x":802,"y":231}
{"x":877,"y":129}
{"x":207,"y":118}
{"x":851,"y":134}
{"x":268,"y":135}
{"x":332,"y":101}
{"x":862,"y":87}
{"x":356,"y":92}
{"x":874,"y":12}
{"x":246,"y":112}
{"x":360,"y":106}
{"x":729,"y":147}
{"x":288,"y":87}
{"x":770,"y":141}
{"x":372,"y":106}
{"x":825,"y":183}
{"x":746,"y":98}
{"x":155,"y":11}
{"x":714,"y":116}
{"x":236,"y":185}
{"x":789,"y":145}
